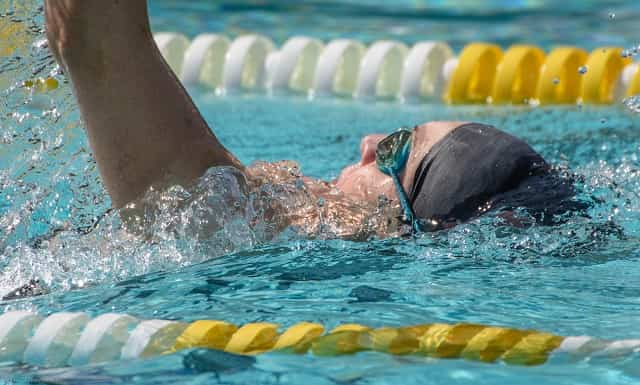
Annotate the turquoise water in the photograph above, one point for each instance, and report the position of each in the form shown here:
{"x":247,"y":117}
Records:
{"x":577,"y":278}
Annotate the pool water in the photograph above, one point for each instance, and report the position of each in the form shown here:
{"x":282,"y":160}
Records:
{"x":576,"y":278}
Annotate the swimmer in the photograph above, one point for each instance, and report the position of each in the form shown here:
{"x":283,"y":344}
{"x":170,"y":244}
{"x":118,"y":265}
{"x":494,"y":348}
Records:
{"x":145,"y":131}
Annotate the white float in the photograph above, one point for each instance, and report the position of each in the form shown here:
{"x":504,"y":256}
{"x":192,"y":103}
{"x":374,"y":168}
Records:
{"x":624,"y":81}
{"x":622,"y":348}
{"x":204,"y":61}
{"x":270,"y":68}
{"x":102,"y":339}
{"x":573,"y":344}
{"x":423,"y":71}
{"x":447,"y":72}
{"x":54,"y":339}
{"x":172,"y":46}
{"x":15,"y":332}
{"x":152,"y":338}
{"x":244,"y":66}
{"x":338,"y":68}
{"x":381,"y":70}
{"x":294,"y":66}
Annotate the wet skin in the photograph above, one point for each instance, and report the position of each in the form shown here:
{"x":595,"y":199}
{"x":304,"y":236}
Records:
{"x":364,"y":180}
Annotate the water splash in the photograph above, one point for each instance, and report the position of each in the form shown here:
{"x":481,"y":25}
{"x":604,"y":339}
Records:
{"x":56,"y":221}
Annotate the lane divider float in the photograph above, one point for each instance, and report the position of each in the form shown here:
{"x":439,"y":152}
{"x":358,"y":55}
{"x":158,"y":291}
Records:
{"x":74,"y":339}
{"x":472,"y":80}
{"x":381,"y":70}
{"x":244,"y":62}
{"x":102,"y":339}
{"x":560,"y":79}
{"x":517,"y":75}
{"x":427,"y":71}
{"x":293,"y":67}
{"x":173,"y":47}
{"x":338,"y":68}
{"x":424,"y":71}
{"x":204,"y":61}
{"x":604,"y":67}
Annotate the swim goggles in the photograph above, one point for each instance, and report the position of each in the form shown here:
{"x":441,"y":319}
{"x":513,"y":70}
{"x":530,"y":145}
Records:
{"x":392,"y":155}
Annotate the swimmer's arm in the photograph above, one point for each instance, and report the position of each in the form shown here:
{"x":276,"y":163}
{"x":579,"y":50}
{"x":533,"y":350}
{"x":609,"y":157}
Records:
{"x":142,"y":126}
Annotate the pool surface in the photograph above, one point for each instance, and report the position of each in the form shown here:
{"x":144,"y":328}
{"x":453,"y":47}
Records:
{"x":576,"y":278}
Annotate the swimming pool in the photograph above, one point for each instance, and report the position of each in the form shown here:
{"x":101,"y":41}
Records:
{"x":577,"y":278}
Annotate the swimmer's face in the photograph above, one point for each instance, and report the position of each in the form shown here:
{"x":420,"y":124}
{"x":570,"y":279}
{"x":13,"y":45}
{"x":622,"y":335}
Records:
{"x":364,"y":181}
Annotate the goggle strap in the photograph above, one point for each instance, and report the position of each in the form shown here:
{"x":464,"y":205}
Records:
{"x":404,"y":202}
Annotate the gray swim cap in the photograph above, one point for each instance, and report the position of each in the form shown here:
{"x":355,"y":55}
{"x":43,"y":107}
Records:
{"x":464,"y":171}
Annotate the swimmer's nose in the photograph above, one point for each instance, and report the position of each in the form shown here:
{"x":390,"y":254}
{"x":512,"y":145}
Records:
{"x":368,"y":147}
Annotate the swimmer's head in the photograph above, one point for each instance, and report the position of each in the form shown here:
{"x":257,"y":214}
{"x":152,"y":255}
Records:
{"x":363,"y":180}
{"x":455,"y":171}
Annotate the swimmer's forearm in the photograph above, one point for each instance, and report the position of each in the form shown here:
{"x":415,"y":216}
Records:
{"x":142,"y":126}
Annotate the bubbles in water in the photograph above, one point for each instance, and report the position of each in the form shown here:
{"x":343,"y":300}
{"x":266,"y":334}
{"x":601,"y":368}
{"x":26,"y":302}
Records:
{"x":632,"y":103}
{"x":630,"y":52}
{"x":582,"y":70}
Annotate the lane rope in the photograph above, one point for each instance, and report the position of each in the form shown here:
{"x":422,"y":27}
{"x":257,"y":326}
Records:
{"x":427,"y":71}
{"x":603,"y":69}
{"x":74,"y":339}
{"x":473,"y":78}
{"x":517,"y":75}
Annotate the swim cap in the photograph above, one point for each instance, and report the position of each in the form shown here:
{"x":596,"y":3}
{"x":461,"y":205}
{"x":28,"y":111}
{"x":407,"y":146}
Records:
{"x":464,"y":173}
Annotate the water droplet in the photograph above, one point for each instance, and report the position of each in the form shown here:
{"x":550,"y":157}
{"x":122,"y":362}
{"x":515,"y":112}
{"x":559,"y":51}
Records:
{"x":603,"y":120}
{"x":632,"y":103}
{"x":555,"y":81}
{"x":612,"y":15}
{"x":582,"y":70}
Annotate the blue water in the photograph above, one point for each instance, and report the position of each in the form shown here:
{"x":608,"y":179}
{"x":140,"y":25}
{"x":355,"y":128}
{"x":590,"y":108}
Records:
{"x":577,"y":278}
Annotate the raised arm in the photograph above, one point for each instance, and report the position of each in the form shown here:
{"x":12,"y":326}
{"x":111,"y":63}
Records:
{"x":143,"y":127}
